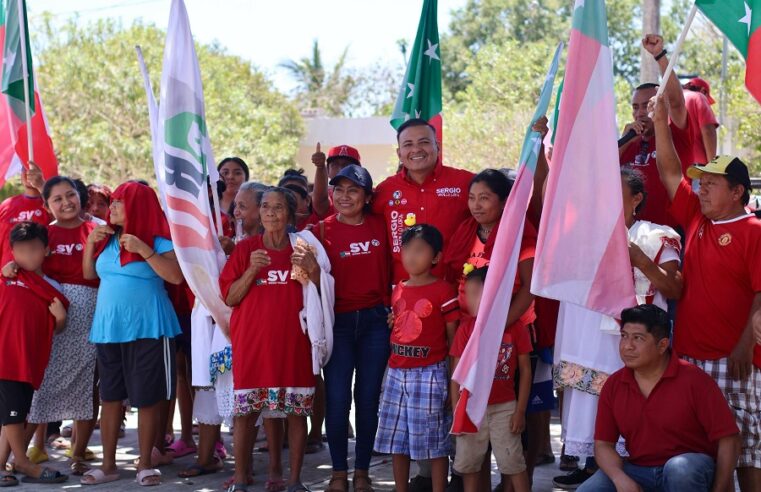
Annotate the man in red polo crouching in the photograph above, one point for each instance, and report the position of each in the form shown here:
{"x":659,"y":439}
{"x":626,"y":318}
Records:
{"x":679,"y":430}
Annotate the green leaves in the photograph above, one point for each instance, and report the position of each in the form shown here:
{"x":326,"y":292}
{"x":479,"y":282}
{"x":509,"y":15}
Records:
{"x":95,"y":103}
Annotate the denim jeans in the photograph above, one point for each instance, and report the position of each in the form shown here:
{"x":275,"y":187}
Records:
{"x":360,"y":345}
{"x":689,"y":472}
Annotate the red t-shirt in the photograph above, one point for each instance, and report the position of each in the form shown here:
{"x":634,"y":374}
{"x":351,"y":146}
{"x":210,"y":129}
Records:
{"x":19,"y":208}
{"x":442,"y":201}
{"x":686,"y":412}
{"x":419,"y":337}
{"x":26,"y":332}
{"x":64,"y":264}
{"x":722,"y":274}
{"x":479,"y":259}
{"x":516,"y":341}
{"x":641,"y":155}
{"x":359,"y":260}
{"x":310,"y":220}
{"x":701,"y":115}
{"x":270,"y":350}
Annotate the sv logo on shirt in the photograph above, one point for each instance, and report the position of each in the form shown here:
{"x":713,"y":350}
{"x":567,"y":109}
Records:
{"x":67,"y":249}
{"x":277,"y":277}
{"x":27,"y":215}
{"x":361,"y":248}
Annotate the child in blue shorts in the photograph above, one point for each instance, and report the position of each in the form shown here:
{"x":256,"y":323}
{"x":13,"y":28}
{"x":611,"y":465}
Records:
{"x":414,"y":422}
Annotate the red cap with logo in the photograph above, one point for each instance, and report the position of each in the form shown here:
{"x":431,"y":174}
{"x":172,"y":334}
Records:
{"x":344,"y":151}
{"x":700,"y":85}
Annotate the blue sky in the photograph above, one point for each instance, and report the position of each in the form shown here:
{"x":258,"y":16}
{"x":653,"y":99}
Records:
{"x":268,"y":32}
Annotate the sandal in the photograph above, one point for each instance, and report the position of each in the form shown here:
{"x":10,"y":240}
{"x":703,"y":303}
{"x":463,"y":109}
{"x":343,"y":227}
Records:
{"x":180,"y":448}
{"x":275,"y":485}
{"x":8,"y":480}
{"x":79,"y":468}
{"x":148,"y":477}
{"x":237,"y":487}
{"x":37,"y":455}
{"x":196,"y":470}
{"x":89,"y":455}
{"x":98,"y":477}
{"x":231,"y":482}
{"x":343,"y":479}
{"x":48,"y":476}
{"x":362,"y":483}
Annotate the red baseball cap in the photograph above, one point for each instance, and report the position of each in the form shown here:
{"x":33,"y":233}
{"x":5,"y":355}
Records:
{"x":344,"y":151}
{"x":698,"y":83}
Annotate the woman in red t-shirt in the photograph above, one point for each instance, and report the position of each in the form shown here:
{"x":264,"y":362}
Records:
{"x":357,"y":246}
{"x":272,"y":362}
{"x":68,"y":388}
{"x":234,"y":172}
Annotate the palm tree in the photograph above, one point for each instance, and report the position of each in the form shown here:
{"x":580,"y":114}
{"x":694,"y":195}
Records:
{"x":317,"y":89}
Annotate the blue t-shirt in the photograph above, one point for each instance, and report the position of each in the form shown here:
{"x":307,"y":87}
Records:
{"x":132,"y":301}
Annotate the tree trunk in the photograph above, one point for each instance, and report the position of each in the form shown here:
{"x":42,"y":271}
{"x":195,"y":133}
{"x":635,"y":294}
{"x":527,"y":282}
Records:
{"x":651,"y":24}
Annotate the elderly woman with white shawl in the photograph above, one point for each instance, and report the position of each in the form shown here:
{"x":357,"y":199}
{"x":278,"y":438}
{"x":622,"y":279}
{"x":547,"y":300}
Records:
{"x":586,"y":347}
{"x":281,"y":291}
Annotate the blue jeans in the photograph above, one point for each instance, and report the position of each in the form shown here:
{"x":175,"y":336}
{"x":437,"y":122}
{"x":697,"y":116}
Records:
{"x":691,"y":472}
{"x":360,"y":343}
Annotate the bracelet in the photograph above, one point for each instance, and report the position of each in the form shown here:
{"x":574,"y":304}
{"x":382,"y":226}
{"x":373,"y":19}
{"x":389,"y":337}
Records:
{"x":660,"y":55}
{"x":149,"y":256}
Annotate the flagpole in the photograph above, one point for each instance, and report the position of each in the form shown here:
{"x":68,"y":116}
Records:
{"x":677,"y":49}
{"x":25,"y":74}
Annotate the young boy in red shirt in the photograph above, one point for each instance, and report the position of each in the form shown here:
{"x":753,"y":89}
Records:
{"x":413,"y":418}
{"x":505,"y":417}
{"x":32,"y":308}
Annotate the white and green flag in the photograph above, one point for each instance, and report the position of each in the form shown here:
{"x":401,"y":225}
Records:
{"x":185,"y":163}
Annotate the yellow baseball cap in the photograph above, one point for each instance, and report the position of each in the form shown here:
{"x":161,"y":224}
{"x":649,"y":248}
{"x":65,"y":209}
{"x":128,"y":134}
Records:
{"x":724,"y":165}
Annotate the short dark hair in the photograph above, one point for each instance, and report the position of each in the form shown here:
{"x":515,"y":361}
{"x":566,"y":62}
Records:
{"x":496,"y":181}
{"x":47,"y":189}
{"x":413,"y":122}
{"x":635,"y":180}
{"x":645,"y":86}
{"x":477,"y":275}
{"x":745,"y":199}
{"x":240,"y":162}
{"x":84,"y":194}
{"x":288,"y":196}
{"x":29,"y":231}
{"x":655,"y":319}
{"x":427,"y":233}
{"x":294,"y":175}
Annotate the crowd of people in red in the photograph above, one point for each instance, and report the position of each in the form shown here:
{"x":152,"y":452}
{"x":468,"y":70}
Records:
{"x":95,"y":316}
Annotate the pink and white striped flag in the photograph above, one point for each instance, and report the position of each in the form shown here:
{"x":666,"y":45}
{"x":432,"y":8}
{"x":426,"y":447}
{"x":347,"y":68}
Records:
{"x":475,"y":371}
{"x":582,"y":249}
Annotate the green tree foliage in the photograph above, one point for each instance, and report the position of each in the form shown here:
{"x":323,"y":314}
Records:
{"x":96,"y":104}
{"x":320,"y":88}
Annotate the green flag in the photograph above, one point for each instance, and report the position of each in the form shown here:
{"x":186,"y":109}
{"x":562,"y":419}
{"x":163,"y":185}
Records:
{"x":17,"y":33}
{"x":740,"y":21}
{"x":420,"y":93}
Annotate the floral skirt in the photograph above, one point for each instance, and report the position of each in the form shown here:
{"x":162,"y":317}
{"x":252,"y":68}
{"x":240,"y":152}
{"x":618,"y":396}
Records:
{"x":290,"y":401}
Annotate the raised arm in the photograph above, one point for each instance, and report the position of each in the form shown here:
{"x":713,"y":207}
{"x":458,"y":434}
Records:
{"x":708,"y":132}
{"x":320,"y":198}
{"x":667,"y":160}
{"x":653,"y":44}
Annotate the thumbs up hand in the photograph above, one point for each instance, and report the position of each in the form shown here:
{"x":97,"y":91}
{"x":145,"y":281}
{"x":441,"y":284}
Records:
{"x":318,"y":158}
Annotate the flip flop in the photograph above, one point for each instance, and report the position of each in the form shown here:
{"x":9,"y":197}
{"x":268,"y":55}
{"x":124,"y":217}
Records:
{"x":180,"y":448}
{"x":144,"y":476}
{"x":97,"y":477}
{"x":237,"y":487}
{"x":79,"y":468}
{"x":48,"y":475}
{"x":275,"y":485}
{"x":8,"y":481}
{"x":89,"y":455}
{"x":36,"y":455}
{"x":196,"y":470}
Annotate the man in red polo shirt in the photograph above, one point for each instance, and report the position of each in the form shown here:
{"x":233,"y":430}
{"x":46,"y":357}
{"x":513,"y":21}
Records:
{"x":27,"y":206}
{"x":640,"y":152}
{"x":722,"y":285}
{"x":679,"y":431}
{"x":423,"y":192}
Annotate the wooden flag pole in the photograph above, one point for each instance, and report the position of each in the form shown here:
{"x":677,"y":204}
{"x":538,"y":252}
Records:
{"x":677,"y":50}
{"x":25,"y":74}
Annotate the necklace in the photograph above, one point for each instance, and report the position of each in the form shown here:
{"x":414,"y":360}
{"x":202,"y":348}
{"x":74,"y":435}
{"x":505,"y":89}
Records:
{"x":483,"y":232}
